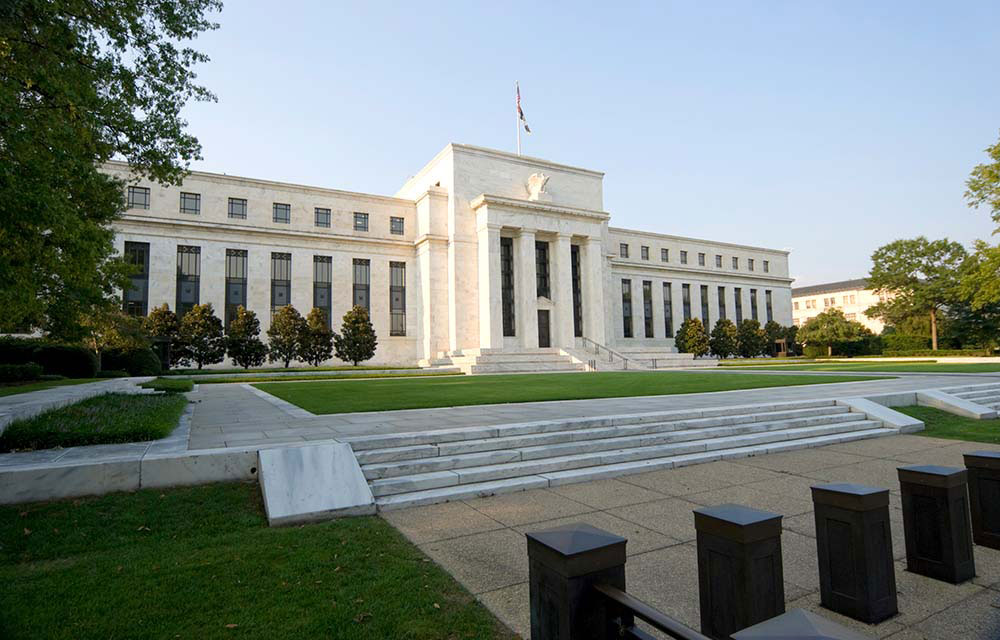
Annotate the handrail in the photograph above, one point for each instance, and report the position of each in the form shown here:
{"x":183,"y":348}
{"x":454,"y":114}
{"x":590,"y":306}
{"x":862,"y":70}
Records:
{"x":648,"y":614}
{"x":612,"y":354}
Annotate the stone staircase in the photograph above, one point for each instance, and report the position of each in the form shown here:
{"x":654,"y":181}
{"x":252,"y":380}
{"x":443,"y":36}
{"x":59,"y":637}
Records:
{"x":666,"y":358}
{"x":419,"y":468}
{"x":472,"y":361}
{"x":987,"y":395}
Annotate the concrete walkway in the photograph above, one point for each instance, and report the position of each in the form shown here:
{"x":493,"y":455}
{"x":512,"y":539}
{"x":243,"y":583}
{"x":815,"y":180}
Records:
{"x":481,"y":542}
{"x":25,"y":405}
{"x":237,"y":415}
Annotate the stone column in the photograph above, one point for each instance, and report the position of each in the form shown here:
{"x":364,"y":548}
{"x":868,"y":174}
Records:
{"x":592,"y":276}
{"x":525,"y":288}
{"x":658,"y":329}
{"x":984,"y":496}
{"x":561,"y":285}
{"x":677,"y":305}
{"x":490,"y":318}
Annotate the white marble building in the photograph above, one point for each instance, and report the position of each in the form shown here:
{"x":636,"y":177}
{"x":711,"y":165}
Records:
{"x":481,"y":249}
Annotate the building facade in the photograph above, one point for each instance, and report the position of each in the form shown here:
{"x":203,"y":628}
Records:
{"x":481,"y":249}
{"x":852,"y":297}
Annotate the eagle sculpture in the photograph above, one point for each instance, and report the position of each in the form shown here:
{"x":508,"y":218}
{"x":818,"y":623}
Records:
{"x":536,"y":185}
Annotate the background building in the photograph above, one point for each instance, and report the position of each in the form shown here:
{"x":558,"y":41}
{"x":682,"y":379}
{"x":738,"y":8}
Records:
{"x":850,"y":296}
{"x":480,"y":250}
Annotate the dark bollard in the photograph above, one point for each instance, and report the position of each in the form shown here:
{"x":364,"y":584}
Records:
{"x":854,"y":542}
{"x":984,"y":496}
{"x":799,"y":623}
{"x":936,"y":522}
{"x":740,"y":577}
{"x":563,"y":564}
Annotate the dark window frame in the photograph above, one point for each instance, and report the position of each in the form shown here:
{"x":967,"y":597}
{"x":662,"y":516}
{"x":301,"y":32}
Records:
{"x":323,"y":286}
{"x":668,"y":310}
{"x":135,"y":300}
{"x":397,"y":298}
{"x":684,"y":257}
{"x":623,"y":250}
{"x":722,"y":303}
{"x":138,"y":203}
{"x":753,"y":305}
{"x":239,"y":211}
{"x":738,"y":304}
{"x":542,"y":280}
{"x":397,"y":225}
{"x":664,"y":255}
{"x":237,"y":261}
{"x":281,"y":279}
{"x":647,"y":308}
{"x":362,"y":282}
{"x":626,"y":308}
{"x":190,"y":203}
{"x":360,"y":221}
{"x":575,"y":275}
{"x":281,"y":212}
{"x":768,"y":305}
{"x":188,"y":272}
{"x":686,"y":301}
{"x":705,"y":318}
{"x":507,"y":286}
{"x":322,"y":217}
{"x":644,"y":252}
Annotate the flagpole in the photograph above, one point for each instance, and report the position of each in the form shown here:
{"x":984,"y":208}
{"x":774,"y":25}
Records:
{"x":517,"y":123}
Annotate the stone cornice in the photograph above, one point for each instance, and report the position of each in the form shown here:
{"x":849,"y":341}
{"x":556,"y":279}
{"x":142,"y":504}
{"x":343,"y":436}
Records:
{"x":713,"y":243}
{"x":525,"y":160}
{"x":537,"y":207}
{"x":263,"y":233}
{"x":698,"y":273}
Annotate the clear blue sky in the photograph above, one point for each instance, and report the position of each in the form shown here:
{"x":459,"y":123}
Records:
{"x":823,"y":128}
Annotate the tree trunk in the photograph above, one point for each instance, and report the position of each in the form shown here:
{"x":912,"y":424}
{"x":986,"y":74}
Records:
{"x":829,"y":350}
{"x":934,"y":329}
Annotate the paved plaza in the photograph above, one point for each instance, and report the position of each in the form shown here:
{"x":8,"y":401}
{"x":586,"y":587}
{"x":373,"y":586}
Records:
{"x":481,"y":542}
{"x":236,"y":415}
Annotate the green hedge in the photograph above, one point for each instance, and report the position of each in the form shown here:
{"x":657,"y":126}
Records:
{"x":138,"y":362}
{"x":867,"y":346}
{"x":939,"y":352}
{"x":901,"y":342}
{"x":56,"y":359}
{"x":20,"y":372}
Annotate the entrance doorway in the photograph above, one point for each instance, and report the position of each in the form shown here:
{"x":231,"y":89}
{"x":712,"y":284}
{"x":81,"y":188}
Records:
{"x":543,"y":329}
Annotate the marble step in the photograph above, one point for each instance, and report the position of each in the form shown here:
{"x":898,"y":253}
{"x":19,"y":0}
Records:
{"x":539,"y":481}
{"x":523,"y":367}
{"x":438,"y":436}
{"x":469,"y":453}
{"x":437,"y":479}
{"x":982,"y":398}
{"x":510,"y":357}
{"x":981,"y":393}
{"x":958,"y":391}
{"x":568,"y":431}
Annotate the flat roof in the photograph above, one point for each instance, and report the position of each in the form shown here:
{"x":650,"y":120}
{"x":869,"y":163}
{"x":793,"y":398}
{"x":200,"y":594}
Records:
{"x":832,"y":287}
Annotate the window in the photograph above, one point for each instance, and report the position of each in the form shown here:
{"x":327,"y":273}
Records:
{"x":574,"y":260}
{"x":767,"y":267}
{"x":397,"y":298}
{"x":282,"y":212}
{"x":362,"y":283}
{"x":188,"y":278}
{"x":668,"y":310}
{"x":686,"y":300}
{"x":138,"y":197}
{"x":396,"y":226}
{"x":827,"y":302}
{"x":281,"y":281}
{"x":718,"y":262}
{"x":736,"y":262}
{"x":360,"y":221}
{"x":623,"y":250}
{"x":236,"y":282}
{"x":664,"y":255}
{"x":135,"y":300}
{"x":704,"y":306}
{"x":647,"y":307}
{"x":190,"y":202}
{"x":644,"y":253}
{"x":845,"y":299}
{"x":851,"y":316}
{"x":852,"y":300}
{"x":701,"y":259}
{"x":627,"y":308}
{"x":795,"y":305}
{"x":542,"y":270}
{"x":322,"y":217}
{"x":738,"y":303}
{"x":722,"y":303}
{"x":323,"y":285}
{"x":684,"y":257}
{"x":753,"y":304}
{"x":507,"y":285}
{"x":769,"y":310}
{"x":749,"y":264}
{"x":238,"y":208}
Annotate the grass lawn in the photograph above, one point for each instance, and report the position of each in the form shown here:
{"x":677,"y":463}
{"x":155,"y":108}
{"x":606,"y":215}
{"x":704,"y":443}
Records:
{"x":201,"y":562}
{"x":105,"y":419}
{"x":940,"y":424}
{"x":887,"y":367}
{"x":14,"y":389}
{"x":383,"y":395}
{"x":360,"y":367}
{"x":353,"y":376}
{"x":169,"y":385}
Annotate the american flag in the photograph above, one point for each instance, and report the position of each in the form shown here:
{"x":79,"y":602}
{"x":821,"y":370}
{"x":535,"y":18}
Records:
{"x":520,"y":113}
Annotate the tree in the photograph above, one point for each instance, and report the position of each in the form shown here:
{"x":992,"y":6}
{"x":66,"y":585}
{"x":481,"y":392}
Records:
{"x":983,"y":185}
{"x":317,"y":341}
{"x":750,"y":339}
{"x":81,"y":83}
{"x":792,"y":341}
{"x":829,"y":327}
{"x":202,"y":336}
{"x":108,"y":327}
{"x":722,"y":342}
{"x":980,"y":277}
{"x":774,"y":332}
{"x":243,"y":339}
{"x":356,"y":341}
{"x":691,"y":338}
{"x":285,"y":335}
{"x":162,"y":324}
{"x":918,"y":276}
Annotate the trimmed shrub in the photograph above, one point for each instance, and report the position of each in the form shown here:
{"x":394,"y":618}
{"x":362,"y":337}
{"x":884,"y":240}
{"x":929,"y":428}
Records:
{"x":17,"y":350}
{"x":137,"y":362}
{"x":112,"y":374}
{"x":939,"y":352}
{"x":67,"y":360}
{"x":20,"y":372}
{"x":901,"y":342}
{"x":49,"y":377}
